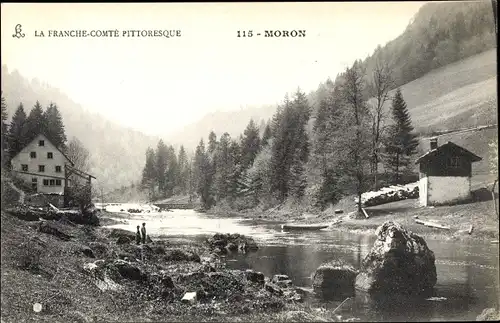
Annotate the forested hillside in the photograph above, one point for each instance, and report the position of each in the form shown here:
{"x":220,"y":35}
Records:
{"x":117,"y":153}
{"x":317,"y":147}
{"x":440,"y":33}
{"x":364,"y":129}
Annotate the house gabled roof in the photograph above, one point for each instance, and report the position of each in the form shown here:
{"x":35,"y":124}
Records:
{"x":450,"y":147}
{"x":47,"y":139}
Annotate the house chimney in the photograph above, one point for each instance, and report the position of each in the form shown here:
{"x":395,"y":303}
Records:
{"x":434,"y":143}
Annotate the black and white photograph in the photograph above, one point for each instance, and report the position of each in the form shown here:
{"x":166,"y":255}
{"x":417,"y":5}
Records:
{"x":249,"y":162}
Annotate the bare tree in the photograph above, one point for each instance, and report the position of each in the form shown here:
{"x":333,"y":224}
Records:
{"x":78,"y":154}
{"x":356,"y":133}
{"x":97,"y":191}
{"x":80,"y":191}
{"x":379,"y":86}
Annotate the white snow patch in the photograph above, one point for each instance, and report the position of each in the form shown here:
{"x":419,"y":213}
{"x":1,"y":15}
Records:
{"x":393,"y":192}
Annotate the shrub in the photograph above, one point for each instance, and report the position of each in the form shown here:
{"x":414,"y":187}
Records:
{"x":29,"y":255}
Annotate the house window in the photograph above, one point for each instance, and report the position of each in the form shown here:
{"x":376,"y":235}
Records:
{"x":34,"y":180}
{"x":58,"y":169}
{"x":52,"y":182}
{"x":33,"y":154}
{"x":24,"y":167}
{"x":41,"y":143}
{"x":41,"y":168}
{"x":50,"y":156}
{"x":58,"y":182}
{"x":45,"y":182}
{"x":454,"y":162}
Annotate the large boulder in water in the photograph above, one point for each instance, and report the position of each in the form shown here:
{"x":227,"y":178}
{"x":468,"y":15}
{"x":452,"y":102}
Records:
{"x":334,"y":278}
{"x":399,"y":262}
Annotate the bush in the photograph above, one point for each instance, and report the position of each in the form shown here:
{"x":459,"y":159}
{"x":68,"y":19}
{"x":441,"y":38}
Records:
{"x":29,"y":255}
{"x":9,"y":195}
{"x":21,"y":183}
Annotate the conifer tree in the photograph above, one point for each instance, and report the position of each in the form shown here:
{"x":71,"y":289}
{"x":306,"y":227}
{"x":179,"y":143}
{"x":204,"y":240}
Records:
{"x":5,"y":133}
{"x":266,"y":135}
{"x":212,"y":163}
{"x":401,"y":143}
{"x":224,"y":167}
{"x":36,"y":123}
{"x":300,"y":141}
{"x":326,"y":147}
{"x":250,"y":145}
{"x":236,"y":175}
{"x":172,"y":171}
{"x":17,"y":131}
{"x":203,"y":175}
{"x":183,"y":164}
{"x":149,"y":172}
{"x":281,"y":149}
{"x":55,"y":126}
{"x":191,"y":180}
{"x":161,"y":163}
{"x":290,"y":147}
{"x":212,"y":143}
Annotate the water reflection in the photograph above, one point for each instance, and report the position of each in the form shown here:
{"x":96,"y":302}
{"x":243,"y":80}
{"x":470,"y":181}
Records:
{"x":467,"y":272}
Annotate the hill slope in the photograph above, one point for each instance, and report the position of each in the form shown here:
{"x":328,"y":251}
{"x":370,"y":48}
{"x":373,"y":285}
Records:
{"x":460,"y":95}
{"x":117,"y":152}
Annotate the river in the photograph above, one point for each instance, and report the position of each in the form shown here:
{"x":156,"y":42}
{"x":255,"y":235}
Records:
{"x":467,"y":272}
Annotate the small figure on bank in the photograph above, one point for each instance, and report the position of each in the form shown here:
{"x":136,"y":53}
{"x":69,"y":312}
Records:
{"x":138,"y":236}
{"x":143,"y":232}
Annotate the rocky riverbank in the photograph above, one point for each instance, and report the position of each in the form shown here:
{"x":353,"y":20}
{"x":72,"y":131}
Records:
{"x":55,"y":270}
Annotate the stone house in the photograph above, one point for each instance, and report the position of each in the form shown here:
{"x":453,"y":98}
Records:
{"x":42,"y":166}
{"x":445,"y":174}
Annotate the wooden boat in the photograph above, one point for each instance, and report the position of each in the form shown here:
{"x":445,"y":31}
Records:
{"x":304,"y":226}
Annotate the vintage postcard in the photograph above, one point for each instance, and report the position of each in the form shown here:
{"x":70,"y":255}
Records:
{"x":249,"y":162}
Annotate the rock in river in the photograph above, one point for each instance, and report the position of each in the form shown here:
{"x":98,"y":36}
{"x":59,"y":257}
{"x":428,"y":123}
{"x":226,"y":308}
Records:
{"x":255,"y":277}
{"x":334,"y":278}
{"x":399,"y":262}
{"x":221,"y":243}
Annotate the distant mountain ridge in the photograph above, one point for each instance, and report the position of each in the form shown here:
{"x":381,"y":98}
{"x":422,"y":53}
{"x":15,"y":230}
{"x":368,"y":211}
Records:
{"x":232,"y":122}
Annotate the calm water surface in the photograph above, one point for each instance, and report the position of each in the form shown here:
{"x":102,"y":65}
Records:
{"x":468,"y":276}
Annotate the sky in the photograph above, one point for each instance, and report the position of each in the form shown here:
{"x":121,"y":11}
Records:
{"x":157,"y":85}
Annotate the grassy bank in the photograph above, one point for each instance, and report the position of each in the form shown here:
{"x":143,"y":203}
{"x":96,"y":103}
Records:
{"x":137,"y":283}
{"x":458,"y":217}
